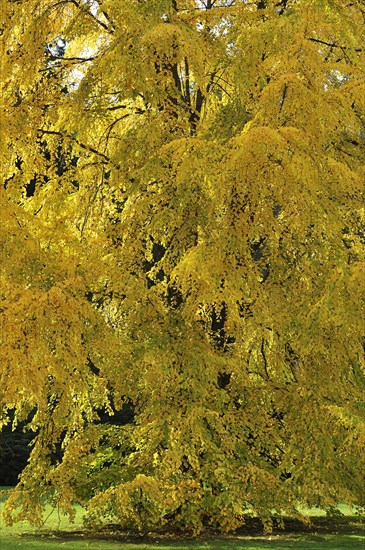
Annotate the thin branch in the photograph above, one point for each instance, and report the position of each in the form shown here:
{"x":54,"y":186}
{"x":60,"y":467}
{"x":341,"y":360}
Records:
{"x":224,"y":9}
{"x":117,"y":107}
{"x":264,"y":358}
{"x":104,"y":25}
{"x":72,"y":59}
{"x":283,"y":96}
{"x":91,"y":201}
{"x":44,"y":521}
{"x":87,"y":12}
{"x":213,"y":75}
{"x":105,"y":15}
{"x":80,"y":144}
{"x":214,"y":81}
{"x":187,"y":82}
{"x":110,"y":128}
{"x":332,"y":44}
{"x":221,"y":87}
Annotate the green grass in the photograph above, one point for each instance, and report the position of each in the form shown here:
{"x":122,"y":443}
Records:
{"x":333,"y":542}
{"x":344,"y":533}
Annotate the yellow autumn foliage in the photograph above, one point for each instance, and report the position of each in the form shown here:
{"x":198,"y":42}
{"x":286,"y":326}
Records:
{"x":182,"y":257}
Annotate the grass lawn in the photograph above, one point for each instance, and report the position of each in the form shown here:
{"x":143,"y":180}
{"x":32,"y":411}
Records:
{"x":343,"y":533}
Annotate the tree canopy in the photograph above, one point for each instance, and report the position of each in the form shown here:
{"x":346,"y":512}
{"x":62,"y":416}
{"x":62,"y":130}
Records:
{"x":182,"y":257}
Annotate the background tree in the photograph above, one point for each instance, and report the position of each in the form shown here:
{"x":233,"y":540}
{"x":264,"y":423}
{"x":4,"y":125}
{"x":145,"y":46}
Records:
{"x":190,"y":255}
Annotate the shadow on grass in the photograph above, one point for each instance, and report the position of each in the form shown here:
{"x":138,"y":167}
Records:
{"x":338,"y":532}
{"x":335,"y":533}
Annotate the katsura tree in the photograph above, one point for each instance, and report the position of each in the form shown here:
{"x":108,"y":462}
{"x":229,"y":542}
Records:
{"x":182,"y":257}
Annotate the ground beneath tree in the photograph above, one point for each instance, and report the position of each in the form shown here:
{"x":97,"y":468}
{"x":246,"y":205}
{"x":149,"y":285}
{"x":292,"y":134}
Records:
{"x":251,"y":531}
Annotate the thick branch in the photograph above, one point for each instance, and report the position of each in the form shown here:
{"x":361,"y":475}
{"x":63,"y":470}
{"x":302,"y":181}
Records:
{"x":195,"y":113}
{"x":175,"y":75}
{"x":210,"y":4}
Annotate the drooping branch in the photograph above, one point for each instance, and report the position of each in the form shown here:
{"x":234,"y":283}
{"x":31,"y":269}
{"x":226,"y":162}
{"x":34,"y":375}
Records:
{"x":115,"y":122}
